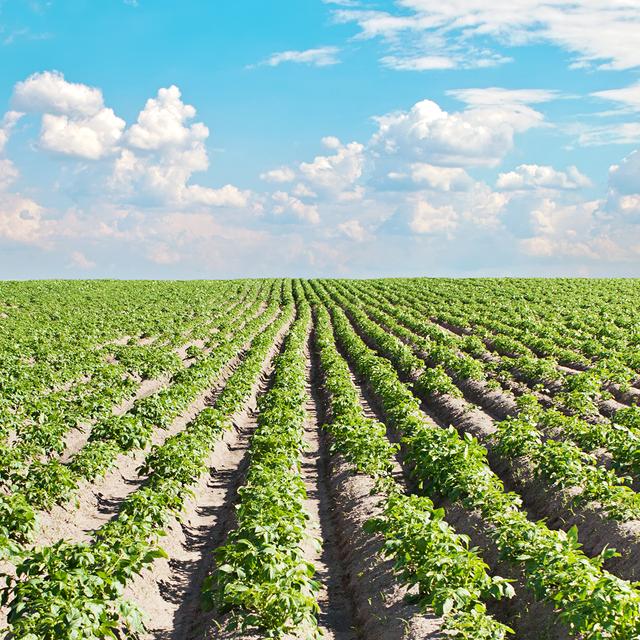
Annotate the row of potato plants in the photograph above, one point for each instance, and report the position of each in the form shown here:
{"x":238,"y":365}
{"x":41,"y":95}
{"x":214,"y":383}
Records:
{"x":76,"y":590}
{"x":504,"y":358}
{"x":49,"y":331}
{"x":510,"y":331}
{"x":38,"y":425}
{"x":53,"y":482}
{"x":588,"y":319}
{"x":261,"y":575}
{"x":42,"y":426}
{"x":620,"y":435}
{"x":592,"y":602}
{"x":451,"y":578}
{"x":559,"y":462}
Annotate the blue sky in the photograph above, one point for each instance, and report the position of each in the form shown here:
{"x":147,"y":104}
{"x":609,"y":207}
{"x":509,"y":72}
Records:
{"x":352,"y":138}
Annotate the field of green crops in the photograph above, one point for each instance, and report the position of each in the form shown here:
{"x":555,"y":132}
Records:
{"x":380,"y":459}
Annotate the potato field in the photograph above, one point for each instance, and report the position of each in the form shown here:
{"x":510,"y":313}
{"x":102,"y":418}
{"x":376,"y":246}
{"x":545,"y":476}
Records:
{"x":352,"y":460}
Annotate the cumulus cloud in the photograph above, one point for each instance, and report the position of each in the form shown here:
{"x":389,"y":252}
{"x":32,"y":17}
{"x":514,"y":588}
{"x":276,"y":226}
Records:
{"x":562,"y":226}
{"x":531,"y":176}
{"x":75,"y":121}
{"x":412,"y":183}
{"x":334,"y":173}
{"x":427,"y":218}
{"x":49,"y":92}
{"x":163,"y":152}
{"x":161,"y":124}
{"x":8,"y":171}
{"x":333,"y":176}
{"x":562,"y":230}
{"x":92,"y":137}
{"x":320,"y":57}
{"x":303,"y":191}
{"x":440,"y":178}
{"x":20,"y":220}
{"x":8,"y":122}
{"x":477,"y":136}
{"x":153,"y":160}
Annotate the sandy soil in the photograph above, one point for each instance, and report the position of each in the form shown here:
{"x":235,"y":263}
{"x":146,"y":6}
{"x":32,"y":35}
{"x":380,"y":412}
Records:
{"x":170,"y":591}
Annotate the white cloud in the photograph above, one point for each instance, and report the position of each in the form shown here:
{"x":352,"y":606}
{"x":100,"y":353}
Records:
{"x":602,"y":231}
{"x":287,"y":205}
{"x":498,"y":96}
{"x":91,"y":137}
{"x":161,"y":124}
{"x":320,"y":57}
{"x":478,"y":136}
{"x":281,"y":174}
{"x":481,"y":206}
{"x":303,"y":191}
{"x":353,"y":230}
{"x":75,"y":121}
{"x":428,"y":219}
{"x":600,"y":32}
{"x":440,"y":178}
{"x":628,"y":96}
{"x":9,"y":121}
{"x":334,"y":173}
{"x":531,"y":176}
{"x":8,"y":173}
{"x":149,"y":164}
{"x":419,"y":63}
{"x":49,"y":92}
{"x":20,"y":219}
{"x":163,"y":153}
{"x":563,"y":230}
{"x":331,"y":177}
{"x":611,"y":133}
{"x":624,"y":178}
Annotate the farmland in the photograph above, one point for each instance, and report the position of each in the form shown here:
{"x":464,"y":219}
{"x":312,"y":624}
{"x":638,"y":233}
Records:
{"x":385,"y":459}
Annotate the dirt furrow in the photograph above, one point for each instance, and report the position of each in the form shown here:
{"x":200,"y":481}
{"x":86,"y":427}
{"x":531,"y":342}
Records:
{"x":98,"y":502}
{"x":530,"y":619}
{"x":79,"y":436}
{"x":541,"y":500}
{"x":170,"y":591}
{"x":336,"y":618}
{"x":380,"y":608}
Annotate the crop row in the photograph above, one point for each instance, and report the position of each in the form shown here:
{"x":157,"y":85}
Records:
{"x":261,"y":574}
{"x":450,"y":577}
{"x":42,"y":426}
{"x":579,"y":338}
{"x":591,"y":601}
{"x":560,"y":462}
{"x":50,"y":332}
{"x":51,"y":482}
{"x":70,"y":591}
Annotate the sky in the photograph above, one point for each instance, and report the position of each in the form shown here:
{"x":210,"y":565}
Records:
{"x":353,"y":138}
